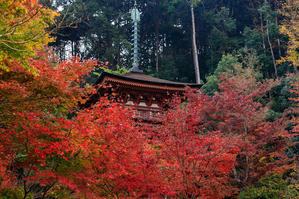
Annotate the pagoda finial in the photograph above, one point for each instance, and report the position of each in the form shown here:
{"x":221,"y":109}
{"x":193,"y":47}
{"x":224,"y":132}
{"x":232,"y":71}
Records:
{"x":135,"y":15}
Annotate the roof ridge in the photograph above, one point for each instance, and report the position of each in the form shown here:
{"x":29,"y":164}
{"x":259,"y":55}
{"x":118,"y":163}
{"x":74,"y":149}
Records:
{"x":145,"y":77}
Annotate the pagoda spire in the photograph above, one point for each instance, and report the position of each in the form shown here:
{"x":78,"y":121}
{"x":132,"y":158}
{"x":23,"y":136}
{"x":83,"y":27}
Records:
{"x":135,"y":15}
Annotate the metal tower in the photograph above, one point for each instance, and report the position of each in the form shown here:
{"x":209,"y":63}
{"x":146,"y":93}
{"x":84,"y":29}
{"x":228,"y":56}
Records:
{"x":135,"y":15}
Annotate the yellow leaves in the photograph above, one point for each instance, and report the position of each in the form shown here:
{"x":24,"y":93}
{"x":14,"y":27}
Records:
{"x":3,"y":56}
{"x":22,"y":30}
{"x":290,"y":27}
{"x":50,"y":13}
{"x":265,"y":159}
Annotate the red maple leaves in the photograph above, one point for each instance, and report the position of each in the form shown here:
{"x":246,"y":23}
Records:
{"x":203,"y":147}
{"x":193,"y":162}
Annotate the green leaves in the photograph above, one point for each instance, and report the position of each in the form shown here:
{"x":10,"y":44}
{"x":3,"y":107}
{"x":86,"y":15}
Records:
{"x":270,"y":187}
{"x":227,"y":64}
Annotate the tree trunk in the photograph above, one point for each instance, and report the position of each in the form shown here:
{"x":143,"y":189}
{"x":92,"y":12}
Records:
{"x":271,"y":49}
{"x":72,"y":48}
{"x":76,"y":47}
{"x":278,"y":40}
{"x":262,"y":30}
{"x":157,"y":43}
{"x":194,"y":47}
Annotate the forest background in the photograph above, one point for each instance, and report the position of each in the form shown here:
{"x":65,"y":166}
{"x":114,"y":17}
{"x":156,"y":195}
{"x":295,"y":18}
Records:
{"x":225,"y":27}
{"x":236,"y":138}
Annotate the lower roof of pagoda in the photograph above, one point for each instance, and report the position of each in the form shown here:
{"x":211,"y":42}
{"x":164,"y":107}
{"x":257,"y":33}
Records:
{"x":142,"y":80}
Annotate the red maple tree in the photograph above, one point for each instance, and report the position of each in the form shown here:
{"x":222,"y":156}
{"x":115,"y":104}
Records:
{"x":193,"y":162}
{"x":33,"y":127}
{"x":236,"y":110}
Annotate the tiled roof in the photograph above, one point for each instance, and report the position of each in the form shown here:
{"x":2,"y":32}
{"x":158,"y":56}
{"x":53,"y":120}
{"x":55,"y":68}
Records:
{"x":146,"y":79}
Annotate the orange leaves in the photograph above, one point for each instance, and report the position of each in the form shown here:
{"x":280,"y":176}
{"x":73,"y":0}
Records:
{"x":35,"y":138}
{"x":51,"y":86}
{"x":296,"y":91}
{"x":66,"y":76}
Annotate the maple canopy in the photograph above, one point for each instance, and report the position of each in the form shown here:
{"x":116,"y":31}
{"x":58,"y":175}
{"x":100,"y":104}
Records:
{"x":22,"y":31}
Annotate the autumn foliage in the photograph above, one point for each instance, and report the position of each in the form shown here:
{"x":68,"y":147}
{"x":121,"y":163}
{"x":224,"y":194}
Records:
{"x":194,"y":162}
{"x":101,"y":151}
{"x":203,"y":146}
{"x":33,"y":124}
{"x":22,"y":30}
{"x":236,"y":110}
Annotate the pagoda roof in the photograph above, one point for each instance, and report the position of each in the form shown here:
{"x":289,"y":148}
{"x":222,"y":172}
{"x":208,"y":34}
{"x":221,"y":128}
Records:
{"x":143,"y":80}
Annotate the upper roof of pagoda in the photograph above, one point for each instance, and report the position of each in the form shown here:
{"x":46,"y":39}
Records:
{"x":142,"y":80}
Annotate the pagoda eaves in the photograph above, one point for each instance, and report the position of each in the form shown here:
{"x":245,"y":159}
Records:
{"x":148,"y":95}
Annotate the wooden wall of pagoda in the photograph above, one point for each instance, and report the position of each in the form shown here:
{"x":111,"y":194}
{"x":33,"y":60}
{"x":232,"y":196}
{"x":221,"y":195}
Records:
{"x":149,"y":102}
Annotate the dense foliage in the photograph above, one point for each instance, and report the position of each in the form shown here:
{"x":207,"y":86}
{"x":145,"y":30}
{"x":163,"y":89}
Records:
{"x":233,"y":138}
{"x":22,"y":30}
{"x":272,"y":186}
